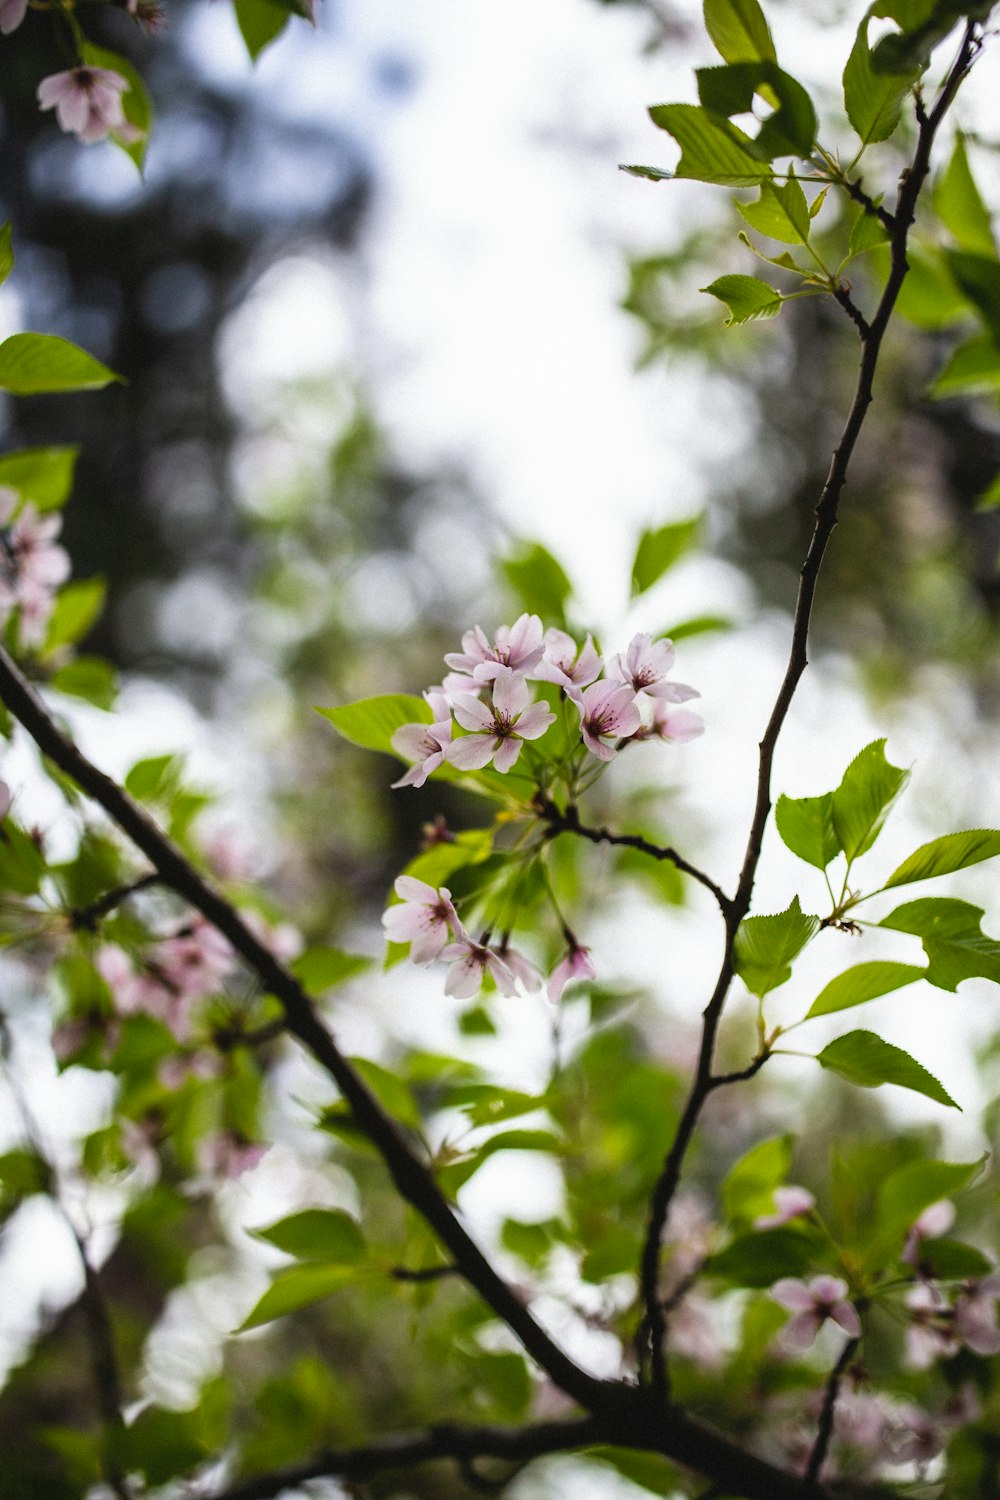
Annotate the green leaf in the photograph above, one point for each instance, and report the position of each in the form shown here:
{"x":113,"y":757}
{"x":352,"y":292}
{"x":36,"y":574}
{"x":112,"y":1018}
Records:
{"x":22,"y":863}
{"x":295,"y":1288}
{"x":928,"y":297}
{"x":864,"y":798}
{"x":24,"y":1173}
{"x":747,"y":297}
{"x":457,"y":1173}
{"x":372,"y":722}
{"x":42,"y":475}
{"x":437,"y":864}
{"x":867,"y":233}
{"x":953,"y":851}
{"x":646,"y":1470}
{"x":863,"y":982}
{"x":33,"y":364}
{"x":924,"y":24}
{"x":873,"y":100}
{"x":88,"y":677}
{"x":972,"y":370}
{"x":766,"y":946}
{"x":137,"y":106}
{"x":76,"y":608}
{"x":978,"y":278}
{"x":6,"y":254}
{"x":698,"y":625}
{"x":323,"y":968}
{"x":762,"y":1258}
{"x":865,"y":1059}
{"x":651,"y":174}
{"x":748,"y":1188}
{"x":806,"y":827}
{"x":155,"y":776}
{"x":321,"y":1234}
{"x":905,"y":1193}
{"x":739,"y":31}
{"x":260,"y":23}
{"x":789,"y":130}
{"x":953,"y":939}
{"x":484,"y":1104}
{"x":990,"y":498}
{"x":660,"y":549}
{"x":539,"y":581}
{"x":781,"y":212}
{"x":712,"y":150}
{"x":952,"y":1260}
{"x":392,"y":1093}
{"x":960,"y":206}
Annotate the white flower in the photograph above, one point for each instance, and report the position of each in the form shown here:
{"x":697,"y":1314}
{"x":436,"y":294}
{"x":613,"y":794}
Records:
{"x":425,"y":918}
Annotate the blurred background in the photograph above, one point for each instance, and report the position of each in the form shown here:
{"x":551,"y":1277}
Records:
{"x":388,"y":311}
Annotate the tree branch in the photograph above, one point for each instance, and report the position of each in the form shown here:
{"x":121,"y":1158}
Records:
{"x":86,"y":918}
{"x":411,"y":1176}
{"x":568,"y":821}
{"x":653,"y":1329}
{"x":824,"y":1430}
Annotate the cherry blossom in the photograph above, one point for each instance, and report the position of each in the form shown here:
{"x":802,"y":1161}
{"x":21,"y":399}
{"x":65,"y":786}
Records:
{"x":425,"y":744}
{"x":678,"y":725}
{"x":976,"y":1315}
{"x":497,"y":730}
{"x":934,"y":1221}
{"x":228,"y":1154}
{"x":87,"y":101}
{"x":12,"y":13}
{"x":425,"y":918}
{"x":930,"y":1334}
{"x":575,"y":964}
{"x":644,"y":668}
{"x":813,"y":1302}
{"x":522,"y":968}
{"x":518,"y":646}
{"x":194,"y":961}
{"x":32,"y":567}
{"x":470,"y":963}
{"x":607,"y":711}
{"x":570,"y":666}
{"x":789,"y":1203}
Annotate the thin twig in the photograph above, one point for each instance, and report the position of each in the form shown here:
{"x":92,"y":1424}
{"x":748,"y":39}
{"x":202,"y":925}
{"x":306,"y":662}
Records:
{"x":856,"y":191}
{"x":423,"y":1273}
{"x":568,"y":821}
{"x":824,"y":1430}
{"x":86,"y":918}
{"x":652,"y":1331}
{"x":853,"y":311}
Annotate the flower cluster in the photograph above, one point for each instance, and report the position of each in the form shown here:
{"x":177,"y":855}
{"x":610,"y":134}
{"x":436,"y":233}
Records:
{"x":486,"y":692}
{"x":32,"y":565}
{"x":426,"y":919}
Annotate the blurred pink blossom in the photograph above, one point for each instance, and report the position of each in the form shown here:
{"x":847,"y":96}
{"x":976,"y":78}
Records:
{"x":87,"y":101}
{"x":470,"y":963}
{"x":789,"y":1203}
{"x":813,"y":1302}
{"x":576,"y":963}
{"x":12,"y":13}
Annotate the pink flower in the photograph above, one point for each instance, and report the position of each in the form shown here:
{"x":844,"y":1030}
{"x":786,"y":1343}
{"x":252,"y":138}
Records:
{"x":11,"y":14}
{"x":607,"y":711}
{"x":32,"y":568}
{"x":914,"y":1436}
{"x":425,"y":744}
{"x":976,"y":1315}
{"x":934,"y":1221}
{"x":576,"y":964}
{"x":678,"y":725}
{"x":228,"y":1154}
{"x":930,"y":1334}
{"x":813,"y":1302}
{"x":644,"y":668}
{"x":570,"y":666}
{"x":425,"y":918}
{"x":195,"y":960}
{"x":518,"y":646}
{"x":789,"y":1203}
{"x":522,"y":968}
{"x":470,"y":963}
{"x":498,"y":729}
{"x":87,"y":101}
